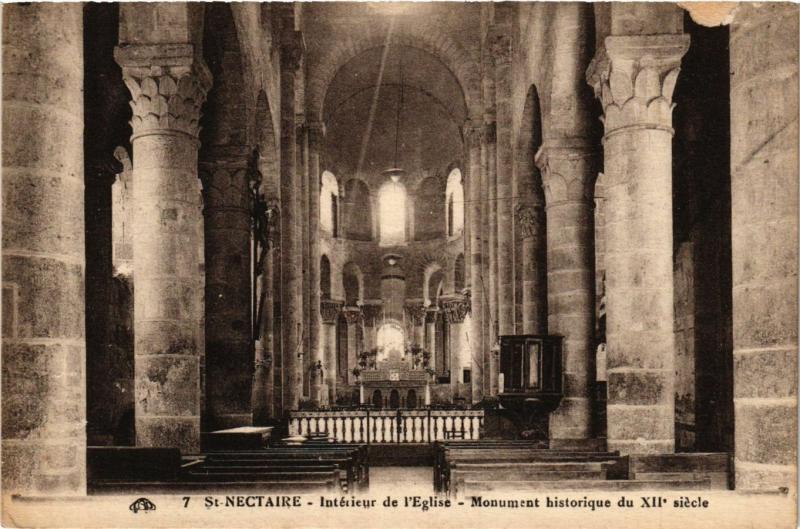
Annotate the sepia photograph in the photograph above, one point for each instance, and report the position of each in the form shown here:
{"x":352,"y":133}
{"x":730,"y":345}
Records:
{"x":400,"y":264}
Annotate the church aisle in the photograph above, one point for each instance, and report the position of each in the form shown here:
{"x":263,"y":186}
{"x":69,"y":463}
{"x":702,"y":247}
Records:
{"x":409,"y":480}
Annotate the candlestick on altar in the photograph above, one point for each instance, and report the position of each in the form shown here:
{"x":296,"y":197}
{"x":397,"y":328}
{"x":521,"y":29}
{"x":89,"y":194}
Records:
{"x":427,"y":394}
{"x":361,"y":393}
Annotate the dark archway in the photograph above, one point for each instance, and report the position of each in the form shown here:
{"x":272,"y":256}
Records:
{"x":377,"y":398}
{"x":411,"y":399}
{"x":325,"y":277}
{"x":394,"y":399}
{"x":357,"y":211}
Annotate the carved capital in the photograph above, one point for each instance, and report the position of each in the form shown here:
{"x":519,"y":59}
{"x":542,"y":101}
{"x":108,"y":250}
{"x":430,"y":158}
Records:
{"x":490,"y":132}
{"x":455,"y":308}
{"x":316,"y":134}
{"x":168,"y":87}
{"x":474,"y":134}
{"x":634,"y":77}
{"x":501,"y":48}
{"x":329,"y":310}
{"x":292,"y":48}
{"x":431,"y":313}
{"x":372,"y":311}
{"x":527,"y":216}
{"x":569,"y":170}
{"x":352,"y":315}
{"x":415,"y":310}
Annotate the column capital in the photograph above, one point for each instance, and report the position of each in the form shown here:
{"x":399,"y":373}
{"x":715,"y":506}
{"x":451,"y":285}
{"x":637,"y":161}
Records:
{"x":455,"y":307}
{"x":372,"y":310}
{"x":415,"y":310}
{"x":292,"y":50}
{"x":500,"y":45}
{"x":431,"y":313}
{"x":527,"y":216}
{"x":473,"y":133}
{"x":316,"y":133}
{"x":168,"y":87}
{"x":352,"y":314}
{"x":569,"y":170}
{"x":634,"y":77}
{"x":329,"y":310}
{"x":490,"y":132}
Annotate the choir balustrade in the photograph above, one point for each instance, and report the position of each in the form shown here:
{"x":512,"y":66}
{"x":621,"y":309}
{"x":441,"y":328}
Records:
{"x":389,"y":426}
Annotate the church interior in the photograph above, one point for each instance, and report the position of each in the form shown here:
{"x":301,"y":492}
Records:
{"x":406,"y":230}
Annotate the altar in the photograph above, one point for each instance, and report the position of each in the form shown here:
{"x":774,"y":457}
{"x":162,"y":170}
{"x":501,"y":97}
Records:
{"x":395,"y":384}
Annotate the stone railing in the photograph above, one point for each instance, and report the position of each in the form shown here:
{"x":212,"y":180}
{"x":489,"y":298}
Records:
{"x":389,"y":426}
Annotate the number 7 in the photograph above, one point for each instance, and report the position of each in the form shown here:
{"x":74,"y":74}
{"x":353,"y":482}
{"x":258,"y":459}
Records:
{"x":185,"y":501}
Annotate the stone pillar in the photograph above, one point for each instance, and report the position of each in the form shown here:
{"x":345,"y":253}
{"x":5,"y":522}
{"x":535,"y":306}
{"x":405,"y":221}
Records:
{"x":455,"y":308}
{"x":415,"y":312}
{"x":44,"y":345}
{"x":353,"y":317}
{"x":264,"y":405}
{"x":168,"y":85}
{"x":301,"y":136}
{"x":229,"y":362}
{"x":372,"y":310}
{"x":764,"y":180}
{"x":501,"y":54}
{"x":329,"y":313}
{"x":476,"y":335}
{"x":635,"y":85}
{"x":568,"y":173}
{"x":530,"y":220}
{"x":489,"y":363}
{"x":315,"y":132}
{"x":291,"y":232}
{"x":431,"y":313}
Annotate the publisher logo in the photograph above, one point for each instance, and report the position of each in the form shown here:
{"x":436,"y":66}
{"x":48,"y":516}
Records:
{"x":142,"y":504}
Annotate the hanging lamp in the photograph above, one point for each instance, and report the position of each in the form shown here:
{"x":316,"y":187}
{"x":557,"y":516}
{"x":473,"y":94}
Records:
{"x":396,"y":172}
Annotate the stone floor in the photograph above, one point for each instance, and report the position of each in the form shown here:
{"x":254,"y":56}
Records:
{"x":416,"y":480}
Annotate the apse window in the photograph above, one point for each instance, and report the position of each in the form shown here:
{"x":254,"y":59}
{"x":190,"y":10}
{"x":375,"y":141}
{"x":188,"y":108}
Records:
{"x":454,"y":194}
{"x":329,"y":204}
{"x":392,"y":214}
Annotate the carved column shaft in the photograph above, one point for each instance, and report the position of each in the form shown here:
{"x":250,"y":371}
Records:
{"x":329,"y":314}
{"x":530,"y":219}
{"x":315,"y":339}
{"x":431,"y":314}
{"x":167,"y":94}
{"x":764,"y":181}
{"x":291,"y":233}
{"x":227,"y":222}
{"x":354,"y":318}
{"x":415,"y":312}
{"x":455,"y":309}
{"x":568,"y":172}
{"x":478,"y":287}
{"x":44,"y":344}
{"x":635,"y":85}
{"x":502,"y":54}
{"x":489,"y":364}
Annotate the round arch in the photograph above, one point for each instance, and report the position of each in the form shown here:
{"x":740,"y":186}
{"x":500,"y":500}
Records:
{"x":425,"y":36}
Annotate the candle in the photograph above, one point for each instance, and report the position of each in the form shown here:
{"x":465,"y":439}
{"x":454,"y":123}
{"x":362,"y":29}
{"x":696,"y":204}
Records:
{"x":500,"y":382}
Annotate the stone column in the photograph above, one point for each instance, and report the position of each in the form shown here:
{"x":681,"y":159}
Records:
{"x":568,"y":173}
{"x":353,"y":317}
{"x":264,"y":405}
{"x":489,"y":363}
{"x":635,"y":85}
{"x":764,"y":180}
{"x":229,"y":362}
{"x":530,"y":220}
{"x":301,"y":136}
{"x":329,"y":313}
{"x":291,"y":232}
{"x":501,"y":54}
{"x":372,"y":310}
{"x":455,"y":308}
{"x":415,"y":312}
{"x":315,"y":132}
{"x":168,"y":85}
{"x":44,"y":345}
{"x":476,"y":335}
{"x":431,"y":313}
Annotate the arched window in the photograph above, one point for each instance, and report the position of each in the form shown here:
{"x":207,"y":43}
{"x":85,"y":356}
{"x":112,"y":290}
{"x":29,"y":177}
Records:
{"x":329,"y":204}
{"x":455,"y":203}
{"x":325,"y":277}
{"x":357,"y":211}
{"x":392,"y":213}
